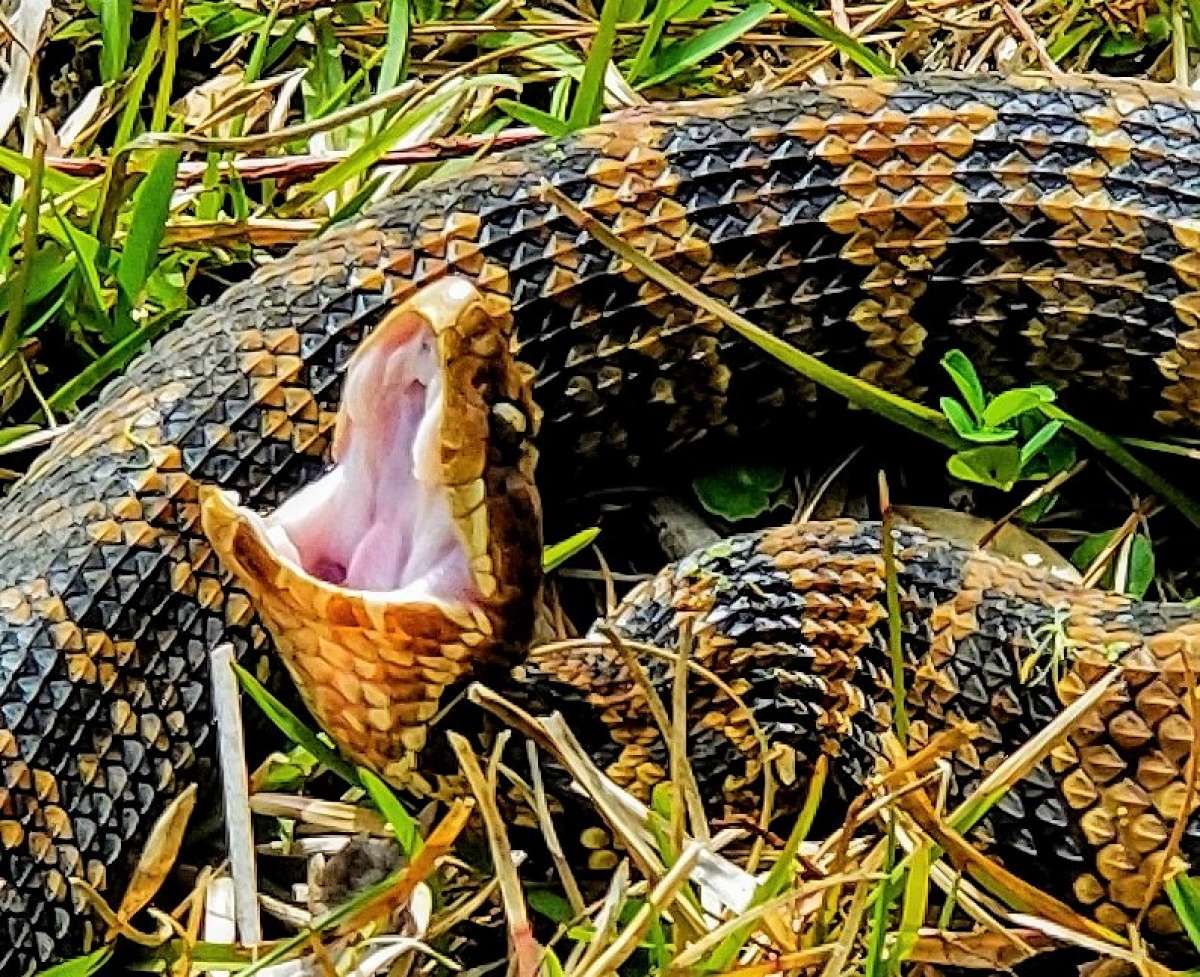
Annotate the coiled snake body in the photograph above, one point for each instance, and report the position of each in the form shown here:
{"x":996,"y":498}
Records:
{"x":1051,"y":229}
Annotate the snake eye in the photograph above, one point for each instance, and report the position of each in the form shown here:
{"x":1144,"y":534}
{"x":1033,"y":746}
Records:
{"x":392,"y":576}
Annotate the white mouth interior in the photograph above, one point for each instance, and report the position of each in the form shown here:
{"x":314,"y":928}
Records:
{"x":380,"y":520}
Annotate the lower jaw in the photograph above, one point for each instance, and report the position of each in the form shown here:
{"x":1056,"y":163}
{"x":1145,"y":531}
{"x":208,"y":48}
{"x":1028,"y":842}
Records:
{"x":372,"y":671}
{"x":375,"y":644}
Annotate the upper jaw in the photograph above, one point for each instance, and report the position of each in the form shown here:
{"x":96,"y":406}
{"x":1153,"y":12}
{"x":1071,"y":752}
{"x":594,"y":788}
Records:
{"x":417,"y":558}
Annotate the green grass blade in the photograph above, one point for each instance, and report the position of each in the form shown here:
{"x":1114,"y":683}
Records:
{"x":294,"y":728}
{"x":892,"y":589}
{"x":281,"y":45}
{"x":55,"y":182}
{"x":884,"y":895}
{"x":654,"y":30}
{"x":85,"y":248}
{"x":8,"y":235}
{"x":116,"y":20}
{"x":558,"y":554}
{"x":857,"y":52}
{"x":79,"y":966}
{"x":681,"y":56}
{"x":337,"y":177}
{"x":907,"y":413}
{"x":405,"y":826}
{"x":1060,"y":48}
{"x":589,"y":98}
{"x":172,"y":11}
{"x":913,"y":908}
{"x":19,"y":285}
{"x":552,"y":126}
{"x":1184,"y":894}
{"x":723,"y":957}
{"x":395,"y":57}
{"x":151,"y":206}
{"x":262,"y":44}
{"x":136,"y":89}
{"x":900,"y":410}
{"x":50,"y":267}
{"x":1121,"y":455}
{"x":113,"y":361}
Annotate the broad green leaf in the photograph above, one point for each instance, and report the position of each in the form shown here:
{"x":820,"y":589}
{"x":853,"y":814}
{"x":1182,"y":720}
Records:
{"x":528,"y":115}
{"x":1036,"y":443}
{"x":558,"y":554}
{"x":1004,"y":407}
{"x":51,"y":266}
{"x":550,"y":904}
{"x":1124,"y":44}
{"x":991,"y":436}
{"x":404,"y":825}
{"x":1141,"y":567}
{"x":994,"y":465}
{"x":1141,"y":561}
{"x":738,"y":491}
{"x":1084,"y":555}
{"x":963,"y":423}
{"x":683,"y":54}
{"x":1157,"y":28}
{"x":962,"y":372}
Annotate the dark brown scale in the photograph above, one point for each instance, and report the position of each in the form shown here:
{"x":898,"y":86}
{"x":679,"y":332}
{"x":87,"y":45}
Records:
{"x":1047,"y":228}
{"x":787,"y":640}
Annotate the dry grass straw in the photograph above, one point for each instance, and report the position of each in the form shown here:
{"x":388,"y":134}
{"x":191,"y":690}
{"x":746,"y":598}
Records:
{"x":526,"y":953}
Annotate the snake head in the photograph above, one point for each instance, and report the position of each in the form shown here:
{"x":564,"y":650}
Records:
{"x":417,"y":558}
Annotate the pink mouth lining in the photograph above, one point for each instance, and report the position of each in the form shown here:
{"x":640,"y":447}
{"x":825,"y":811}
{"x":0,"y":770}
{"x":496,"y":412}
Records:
{"x":380,"y":520}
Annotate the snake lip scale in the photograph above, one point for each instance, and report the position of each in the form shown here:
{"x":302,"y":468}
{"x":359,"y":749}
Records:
{"x":1049,"y":227}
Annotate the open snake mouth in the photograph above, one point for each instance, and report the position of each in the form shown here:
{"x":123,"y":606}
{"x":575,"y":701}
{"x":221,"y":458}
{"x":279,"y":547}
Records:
{"x":380,"y":520}
{"x":417,"y":556}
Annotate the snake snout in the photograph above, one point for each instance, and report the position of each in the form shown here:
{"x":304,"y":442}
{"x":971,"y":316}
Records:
{"x":416,"y":558}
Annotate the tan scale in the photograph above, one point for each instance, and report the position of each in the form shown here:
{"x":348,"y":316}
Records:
{"x":373,"y":672}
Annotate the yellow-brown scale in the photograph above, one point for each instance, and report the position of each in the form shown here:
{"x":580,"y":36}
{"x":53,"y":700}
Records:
{"x":1047,"y":226}
{"x":793,"y":623}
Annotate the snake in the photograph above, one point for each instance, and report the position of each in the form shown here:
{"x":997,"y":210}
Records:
{"x":341,"y":463}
